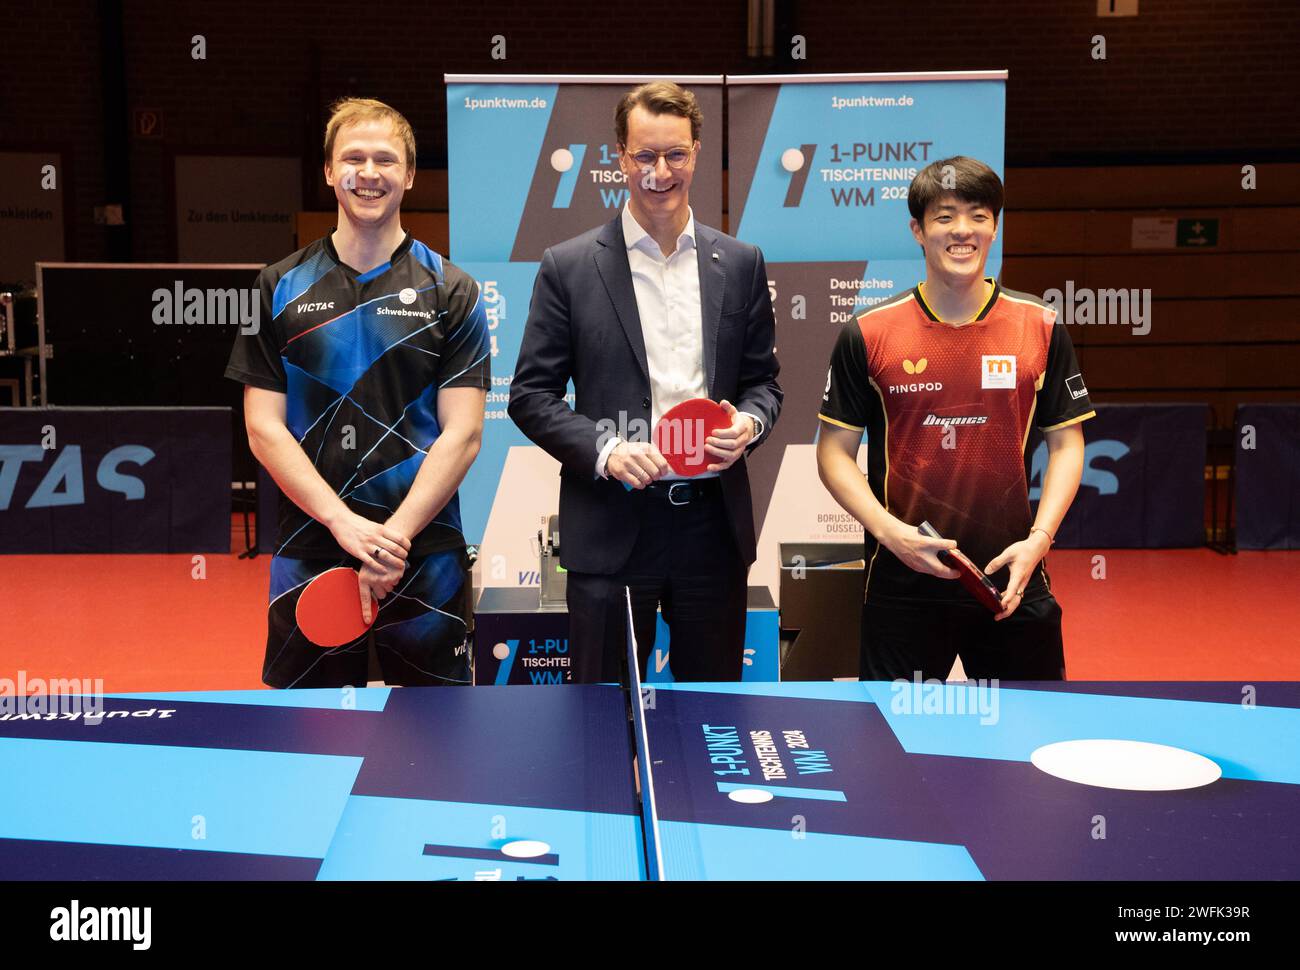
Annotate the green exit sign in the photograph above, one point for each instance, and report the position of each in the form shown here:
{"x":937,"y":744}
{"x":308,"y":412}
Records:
{"x":1198,"y":233}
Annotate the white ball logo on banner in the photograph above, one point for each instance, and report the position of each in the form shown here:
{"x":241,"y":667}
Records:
{"x":792,"y":159}
{"x":561,"y":159}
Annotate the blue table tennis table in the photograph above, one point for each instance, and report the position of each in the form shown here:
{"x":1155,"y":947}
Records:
{"x":750,"y":781}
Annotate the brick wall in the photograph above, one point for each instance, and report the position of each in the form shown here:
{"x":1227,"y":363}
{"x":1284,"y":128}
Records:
{"x":1195,"y":79}
{"x":50,"y":100}
{"x":1203,"y":77}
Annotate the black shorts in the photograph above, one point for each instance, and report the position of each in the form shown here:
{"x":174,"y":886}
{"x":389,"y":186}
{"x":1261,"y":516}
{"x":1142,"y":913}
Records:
{"x":900,"y":639}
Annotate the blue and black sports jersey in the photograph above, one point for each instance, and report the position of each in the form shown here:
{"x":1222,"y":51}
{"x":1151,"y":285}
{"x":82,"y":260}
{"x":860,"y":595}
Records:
{"x":360,"y":358}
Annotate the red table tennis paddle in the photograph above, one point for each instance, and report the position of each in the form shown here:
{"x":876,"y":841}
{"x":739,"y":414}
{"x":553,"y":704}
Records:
{"x":329,"y":609}
{"x":975,"y":580}
{"x":680,"y":434}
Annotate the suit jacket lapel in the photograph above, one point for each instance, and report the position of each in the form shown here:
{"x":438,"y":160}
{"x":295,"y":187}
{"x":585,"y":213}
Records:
{"x":616,"y":274}
{"x":712,"y":277}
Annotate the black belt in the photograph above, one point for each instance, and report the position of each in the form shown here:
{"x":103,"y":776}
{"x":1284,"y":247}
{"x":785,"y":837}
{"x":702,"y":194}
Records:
{"x":685,"y":492}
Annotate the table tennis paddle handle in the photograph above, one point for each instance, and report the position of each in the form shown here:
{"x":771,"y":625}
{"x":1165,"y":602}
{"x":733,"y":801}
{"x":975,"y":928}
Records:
{"x":974,"y":579}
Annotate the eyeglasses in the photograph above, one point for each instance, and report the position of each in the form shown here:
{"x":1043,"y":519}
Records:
{"x":675,"y":157}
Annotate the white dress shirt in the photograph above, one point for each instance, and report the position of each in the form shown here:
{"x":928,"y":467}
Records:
{"x":668,"y":303}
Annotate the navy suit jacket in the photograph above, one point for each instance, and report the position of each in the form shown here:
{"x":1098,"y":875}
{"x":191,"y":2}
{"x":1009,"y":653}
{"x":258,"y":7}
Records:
{"x":583,"y":325}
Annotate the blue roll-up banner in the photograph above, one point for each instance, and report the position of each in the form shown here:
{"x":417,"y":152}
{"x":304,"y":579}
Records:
{"x":114,"y":480}
{"x":1267,"y":497}
{"x":820,"y":165}
{"x":531,"y":161}
{"x":1143,"y":483}
{"x":819,"y":168}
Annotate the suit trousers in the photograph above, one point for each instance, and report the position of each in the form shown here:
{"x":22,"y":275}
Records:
{"x":685,"y":562}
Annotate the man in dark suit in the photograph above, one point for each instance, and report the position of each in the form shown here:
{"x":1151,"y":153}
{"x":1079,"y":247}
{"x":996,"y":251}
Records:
{"x":642,"y":313}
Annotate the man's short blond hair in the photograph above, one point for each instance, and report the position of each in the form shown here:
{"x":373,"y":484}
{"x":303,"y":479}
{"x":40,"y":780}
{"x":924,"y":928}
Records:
{"x":352,"y":111}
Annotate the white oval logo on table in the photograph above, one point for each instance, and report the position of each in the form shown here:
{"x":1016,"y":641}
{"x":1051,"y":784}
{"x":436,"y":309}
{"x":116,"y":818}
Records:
{"x":750,"y":796}
{"x":1126,"y":765}
{"x":525,"y":849}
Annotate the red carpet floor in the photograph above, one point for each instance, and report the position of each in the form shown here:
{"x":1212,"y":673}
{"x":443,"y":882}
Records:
{"x":145,"y":623}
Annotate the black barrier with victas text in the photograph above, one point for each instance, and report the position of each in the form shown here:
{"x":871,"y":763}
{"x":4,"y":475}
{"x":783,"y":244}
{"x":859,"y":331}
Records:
{"x":1268,"y":476}
{"x":1143,"y":480}
{"x":115,"y":480}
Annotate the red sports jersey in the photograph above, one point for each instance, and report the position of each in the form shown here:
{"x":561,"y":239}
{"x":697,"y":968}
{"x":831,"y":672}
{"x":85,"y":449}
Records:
{"x":947,"y":410}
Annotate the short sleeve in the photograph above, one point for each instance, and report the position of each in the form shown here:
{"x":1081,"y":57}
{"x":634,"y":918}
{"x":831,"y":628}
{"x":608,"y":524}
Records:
{"x":847,"y":400}
{"x":255,"y":358}
{"x":1063,"y":398}
{"x":466,"y":359}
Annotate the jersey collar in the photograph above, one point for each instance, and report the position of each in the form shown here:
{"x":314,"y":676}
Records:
{"x":398,"y":253}
{"x":979,"y":317}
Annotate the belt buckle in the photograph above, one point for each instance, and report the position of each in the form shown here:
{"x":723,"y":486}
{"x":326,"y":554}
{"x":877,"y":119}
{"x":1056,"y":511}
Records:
{"x":684,"y":485}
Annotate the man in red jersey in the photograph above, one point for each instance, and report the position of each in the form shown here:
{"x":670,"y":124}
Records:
{"x":946,"y":379}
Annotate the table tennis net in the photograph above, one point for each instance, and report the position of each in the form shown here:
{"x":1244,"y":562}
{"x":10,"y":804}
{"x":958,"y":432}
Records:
{"x":639,"y":699}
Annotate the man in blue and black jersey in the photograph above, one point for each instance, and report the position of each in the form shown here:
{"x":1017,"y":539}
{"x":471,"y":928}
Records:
{"x":364,"y":396}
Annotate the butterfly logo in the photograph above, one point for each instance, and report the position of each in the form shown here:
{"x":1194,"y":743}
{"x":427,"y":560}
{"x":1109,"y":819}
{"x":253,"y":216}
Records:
{"x":917,"y":368}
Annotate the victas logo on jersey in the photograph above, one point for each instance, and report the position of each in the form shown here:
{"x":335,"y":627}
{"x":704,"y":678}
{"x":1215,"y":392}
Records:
{"x":313,"y":307}
{"x":997,"y":372}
